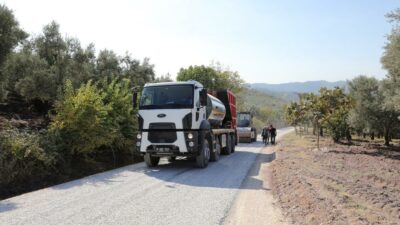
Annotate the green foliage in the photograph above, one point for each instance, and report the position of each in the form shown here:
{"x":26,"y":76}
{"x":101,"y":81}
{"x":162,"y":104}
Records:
{"x":10,"y":33}
{"x":213,"y":78}
{"x":81,"y":119}
{"x":10,"y":36}
{"x":137,"y":72}
{"x":366,"y":113}
{"x":391,"y":59}
{"x":205,"y":75}
{"x":23,"y":160}
{"x":107,"y":64}
{"x":329,"y":109}
{"x":121,"y":116}
{"x":38,"y":71}
{"x":163,"y":78}
{"x":373,"y":111}
{"x":92,"y":118}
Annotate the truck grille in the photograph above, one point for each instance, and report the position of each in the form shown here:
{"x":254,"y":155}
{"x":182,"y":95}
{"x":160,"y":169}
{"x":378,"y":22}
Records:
{"x":162,"y":133}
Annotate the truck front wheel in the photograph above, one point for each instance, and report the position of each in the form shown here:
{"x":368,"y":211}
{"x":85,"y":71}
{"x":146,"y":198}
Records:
{"x":204,"y":155}
{"x":151,"y":161}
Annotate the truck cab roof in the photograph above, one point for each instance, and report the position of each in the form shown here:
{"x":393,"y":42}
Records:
{"x":189,"y":82}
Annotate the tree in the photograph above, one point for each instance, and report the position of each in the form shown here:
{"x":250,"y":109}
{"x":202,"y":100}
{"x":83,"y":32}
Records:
{"x":334,"y":106}
{"x":211,"y":78}
{"x":81,"y":120}
{"x":391,"y":57}
{"x":107,"y":65}
{"x":372,"y":112}
{"x":205,"y":75}
{"x":10,"y":33}
{"x":329,"y":109}
{"x":366,"y":113}
{"x":390,"y":119}
{"x":138,"y":73}
{"x":163,"y":78}
{"x":10,"y":36}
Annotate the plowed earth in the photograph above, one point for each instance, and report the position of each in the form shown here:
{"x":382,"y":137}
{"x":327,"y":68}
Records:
{"x":337,"y":184}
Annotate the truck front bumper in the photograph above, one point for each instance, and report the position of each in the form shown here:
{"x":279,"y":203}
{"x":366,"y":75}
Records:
{"x":186,"y":144}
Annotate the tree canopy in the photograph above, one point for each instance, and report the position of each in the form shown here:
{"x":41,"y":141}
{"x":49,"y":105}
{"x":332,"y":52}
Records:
{"x":212,"y":77}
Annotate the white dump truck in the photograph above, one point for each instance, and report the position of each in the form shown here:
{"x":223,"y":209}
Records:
{"x":184,"y":119}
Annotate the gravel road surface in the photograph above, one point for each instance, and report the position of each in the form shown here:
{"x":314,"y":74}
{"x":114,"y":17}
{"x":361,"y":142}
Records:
{"x":172,"y":193}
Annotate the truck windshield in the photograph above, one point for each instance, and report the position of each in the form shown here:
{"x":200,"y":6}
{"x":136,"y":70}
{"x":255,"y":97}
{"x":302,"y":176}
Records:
{"x":243,"y":120}
{"x":167,"y":97}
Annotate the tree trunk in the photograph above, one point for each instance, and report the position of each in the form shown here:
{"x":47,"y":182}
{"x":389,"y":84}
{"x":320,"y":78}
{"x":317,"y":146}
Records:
{"x":314,"y":128}
{"x":321,"y":131}
{"x":387,"y":136}
{"x":318,"y":133}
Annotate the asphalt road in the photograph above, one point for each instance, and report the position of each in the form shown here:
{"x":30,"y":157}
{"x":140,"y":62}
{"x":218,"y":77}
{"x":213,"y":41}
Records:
{"x":172,"y":193}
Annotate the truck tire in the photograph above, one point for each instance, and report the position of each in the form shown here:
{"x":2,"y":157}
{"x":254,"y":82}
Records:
{"x":204,"y":155}
{"x":233,"y":141}
{"x":151,"y":161}
{"x":172,"y":159}
{"x":228,"y":148}
{"x":215,"y":155}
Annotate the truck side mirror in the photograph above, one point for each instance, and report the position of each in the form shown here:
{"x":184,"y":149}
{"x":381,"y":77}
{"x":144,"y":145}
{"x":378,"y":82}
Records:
{"x":203,"y":97}
{"x":134,"y":97}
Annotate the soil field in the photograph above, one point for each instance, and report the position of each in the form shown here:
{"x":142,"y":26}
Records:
{"x":337,"y":184}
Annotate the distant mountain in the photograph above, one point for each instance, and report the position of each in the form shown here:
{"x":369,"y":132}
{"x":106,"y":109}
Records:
{"x":299,"y":87}
{"x":288,"y":91}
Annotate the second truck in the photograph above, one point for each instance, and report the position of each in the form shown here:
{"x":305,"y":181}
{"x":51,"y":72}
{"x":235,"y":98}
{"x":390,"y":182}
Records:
{"x":184,"y":119}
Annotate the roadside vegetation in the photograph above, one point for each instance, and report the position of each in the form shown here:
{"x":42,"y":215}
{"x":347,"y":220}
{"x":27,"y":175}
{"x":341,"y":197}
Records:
{"x":65,"y":111}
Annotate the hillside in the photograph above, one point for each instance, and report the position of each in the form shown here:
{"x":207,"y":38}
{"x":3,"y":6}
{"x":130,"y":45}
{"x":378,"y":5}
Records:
{"x":252,"y":97}
{"x":268,"y":109}
{"x":288,"y":91}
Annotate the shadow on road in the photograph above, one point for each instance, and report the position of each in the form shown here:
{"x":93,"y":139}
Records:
{"x":108,"y":177}
{"x":7,"y":206}
{"x":229,"y":172}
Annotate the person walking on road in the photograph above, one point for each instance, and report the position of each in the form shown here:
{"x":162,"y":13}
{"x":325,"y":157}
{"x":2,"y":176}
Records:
{"x":265,"y":135}
{"x":272,"y":131}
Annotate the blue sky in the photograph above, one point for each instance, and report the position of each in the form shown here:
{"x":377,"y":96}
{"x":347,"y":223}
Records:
{"x":265,"y":41}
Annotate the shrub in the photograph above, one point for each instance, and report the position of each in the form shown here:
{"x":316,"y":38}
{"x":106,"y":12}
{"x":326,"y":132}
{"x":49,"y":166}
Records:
{"x":118,"y":96}
{"x":23,"y":162}
{"x":81,"y":120}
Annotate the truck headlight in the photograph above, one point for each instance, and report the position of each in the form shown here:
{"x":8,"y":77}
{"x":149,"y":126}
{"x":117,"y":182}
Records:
{"x":139,"y":136}
{"x":190,"y":136}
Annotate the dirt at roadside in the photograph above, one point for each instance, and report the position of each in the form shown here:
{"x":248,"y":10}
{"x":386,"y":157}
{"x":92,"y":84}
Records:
{"x":338,"y":184}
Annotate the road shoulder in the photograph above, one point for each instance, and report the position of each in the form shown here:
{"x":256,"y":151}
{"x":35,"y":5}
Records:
{"x":255,"y":203}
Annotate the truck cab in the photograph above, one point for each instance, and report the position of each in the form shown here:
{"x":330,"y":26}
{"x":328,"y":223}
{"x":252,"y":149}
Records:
{"x":177,"y":119}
